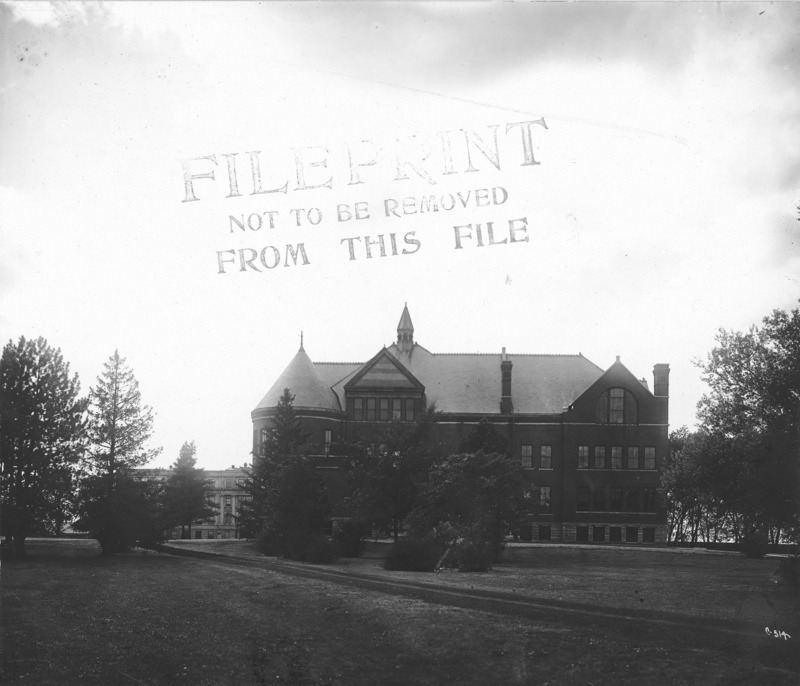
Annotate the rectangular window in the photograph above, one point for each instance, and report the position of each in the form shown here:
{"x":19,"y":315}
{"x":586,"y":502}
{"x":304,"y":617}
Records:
{"x":650,"y":458}
{"x":631,"y":534}
{"x":632,"y":499}
{"x":328,"y":438}
{"x":198,"y":533}
{"x":648,"y":534}
{"x":615,"y":534}
{"x":358,"y":409}
{"x":599,"y":499}
{"x":616,"y":457}
{"x":527,"y":456}
{"x":546,"y":457}
{"x":544,"y":500}
{"x":616,"y":500}
{"x":409,"y":409}
{"x":582,"y":504}
{"x":545,"y":533}
{"x":649,"y":504}
{"x":384,"y":410}
{"x":228,"y":501}
{"x":526,"y":532}
{"x":397,"y":409}
{"x":599,"y":534}
{"x":633,"y":457}
{"x":582,"y":534}
{"x":599,"y":457}
{"x":583,"y":457}
{"x":616,"y":406}
{"x":372,"y":404}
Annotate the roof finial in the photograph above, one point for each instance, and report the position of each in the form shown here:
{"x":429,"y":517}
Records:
{"x":301,"y":340}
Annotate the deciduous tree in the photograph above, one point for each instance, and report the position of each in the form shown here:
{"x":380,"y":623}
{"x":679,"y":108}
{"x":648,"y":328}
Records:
{"x":752,"y":415}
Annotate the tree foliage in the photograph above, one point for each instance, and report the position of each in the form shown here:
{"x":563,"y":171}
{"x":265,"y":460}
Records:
{"x":114,"y":504}
{"x":750,"y":426}
{"x":41,"y":438}
{"x":186,"y":493}
{"x":288,"y":507}
{"x":388,"y":473}
{"x":472,"y":499}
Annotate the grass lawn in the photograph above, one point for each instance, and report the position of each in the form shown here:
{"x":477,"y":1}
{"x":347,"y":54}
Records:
{"x":70,"y":616}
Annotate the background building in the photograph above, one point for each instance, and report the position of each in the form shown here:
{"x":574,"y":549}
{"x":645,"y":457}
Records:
{"x":591,"y":441}
{"x":224,"y":491}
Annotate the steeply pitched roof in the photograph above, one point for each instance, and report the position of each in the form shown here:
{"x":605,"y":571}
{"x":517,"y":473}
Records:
{"x":471,"y":383}
{"x":310,"y":388}
{"x":405,"y":321}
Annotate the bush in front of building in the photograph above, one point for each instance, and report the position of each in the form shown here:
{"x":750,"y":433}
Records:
{"x":320,"y":550}
{"x":413,"y":555}
{"x":754,"y":544}
{"x":470,"y":555}
{"x":350,"y":536}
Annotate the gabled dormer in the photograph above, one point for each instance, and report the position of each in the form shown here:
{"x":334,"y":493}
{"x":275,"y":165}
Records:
{"x":384,"y":390}
{"x":618,"y":398}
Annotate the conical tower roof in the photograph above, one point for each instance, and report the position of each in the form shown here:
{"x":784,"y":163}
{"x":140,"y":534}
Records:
{"x":305,"y":384}
{"x":405,"y":321}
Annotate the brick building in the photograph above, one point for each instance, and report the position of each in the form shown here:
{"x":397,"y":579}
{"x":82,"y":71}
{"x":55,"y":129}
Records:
{"x":591,"y":441}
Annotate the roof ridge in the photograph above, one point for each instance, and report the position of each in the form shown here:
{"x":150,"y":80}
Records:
{"x":516,"y":354}
{"x":337,"y":363}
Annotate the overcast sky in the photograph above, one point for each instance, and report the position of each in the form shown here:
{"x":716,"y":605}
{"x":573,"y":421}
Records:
{"x":662,"y":207}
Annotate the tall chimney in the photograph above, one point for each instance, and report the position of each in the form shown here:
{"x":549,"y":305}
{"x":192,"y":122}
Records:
{"x":661,"y":380}
{"x":506,"y":406}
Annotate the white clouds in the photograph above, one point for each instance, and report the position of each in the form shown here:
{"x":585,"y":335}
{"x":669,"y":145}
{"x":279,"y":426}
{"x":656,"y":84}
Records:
{"x":661,"y":210}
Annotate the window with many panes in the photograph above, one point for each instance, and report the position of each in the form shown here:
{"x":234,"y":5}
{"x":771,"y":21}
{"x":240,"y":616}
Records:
{"x":599,"y":457}
{"x":633,"y":457}
{"x":358,"y":409}
{"x":632,"y":534}
{"x":372,"y":408}
{"x":583,"y":457}
{"x":582,"y":533}
{"x":544,"y":500}
{"x":649,"y":498}
{"x":397,"y":409}
{"x":527,"y":456}
{"x":546,"y":457}
{"x":650,"y":458}
{"x":616,"y":406}
{"x":632,"y":499}
{"x":616,"y":457}
{"x":409,"y":409}
{"x":598,"y":534}
{"x":383,"y":414}
{"x":582,"y":504}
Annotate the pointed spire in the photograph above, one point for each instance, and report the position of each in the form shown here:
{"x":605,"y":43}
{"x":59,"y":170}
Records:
{"x":301,"y":341}
{"x":405,"y":332}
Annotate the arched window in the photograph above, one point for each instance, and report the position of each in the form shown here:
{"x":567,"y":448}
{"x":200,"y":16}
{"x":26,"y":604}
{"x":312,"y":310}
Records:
{"x":617,"y":406}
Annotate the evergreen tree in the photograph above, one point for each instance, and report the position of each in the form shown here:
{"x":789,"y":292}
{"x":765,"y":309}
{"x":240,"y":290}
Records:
{"x":41,"y":438}
{"x":186,"y":497}
{"x":116,"y":505}
{"x":288,"y":503}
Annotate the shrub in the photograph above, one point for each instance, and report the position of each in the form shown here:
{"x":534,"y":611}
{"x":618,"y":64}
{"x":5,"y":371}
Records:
{"x":351,"y":538}
{"x":413,"y":555}
{"x":471,"y":556}
{"x":320,"y":550}
{"x":789,"y":570}
{"x":754,"y":545}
